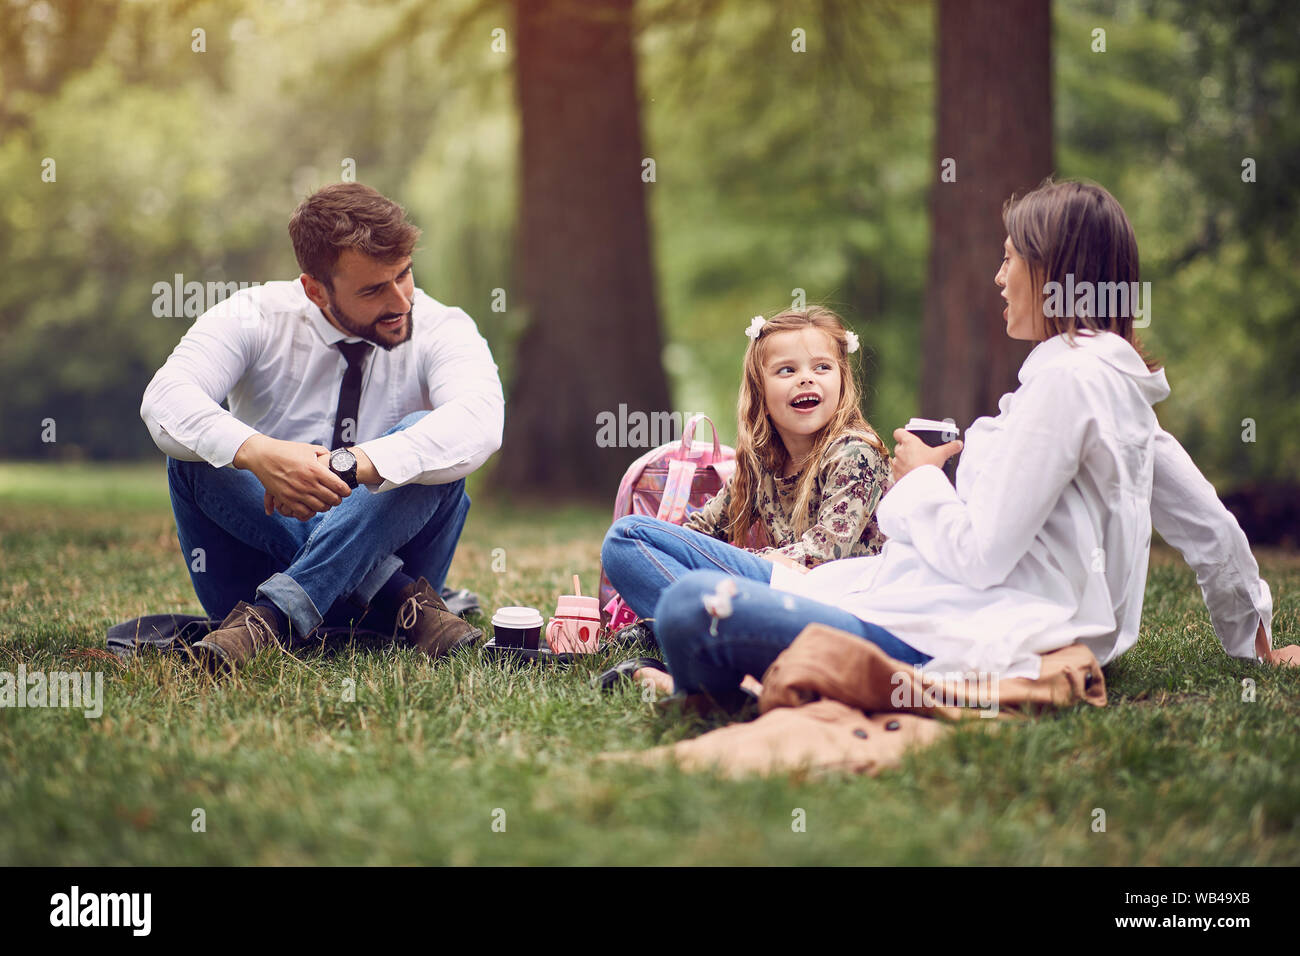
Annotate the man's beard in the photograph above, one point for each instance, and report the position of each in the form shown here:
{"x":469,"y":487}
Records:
{"x":370,"y":331}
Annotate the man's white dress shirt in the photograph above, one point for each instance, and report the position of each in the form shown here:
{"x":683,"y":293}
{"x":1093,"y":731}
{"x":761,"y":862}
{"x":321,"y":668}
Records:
{"x":273,"y":354}
{"x":1045,"y":539}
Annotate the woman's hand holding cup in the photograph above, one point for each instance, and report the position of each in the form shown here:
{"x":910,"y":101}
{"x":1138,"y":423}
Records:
{"x":910,"y":453}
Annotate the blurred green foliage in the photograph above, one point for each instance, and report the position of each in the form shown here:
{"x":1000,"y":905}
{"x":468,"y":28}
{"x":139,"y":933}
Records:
{"x":775,"y":171}
{"x":1184,"y":94}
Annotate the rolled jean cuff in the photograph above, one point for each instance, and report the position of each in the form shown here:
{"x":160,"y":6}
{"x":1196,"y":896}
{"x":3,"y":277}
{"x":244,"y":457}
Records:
{"x":284,"y":592}
{"x":365,"y":591}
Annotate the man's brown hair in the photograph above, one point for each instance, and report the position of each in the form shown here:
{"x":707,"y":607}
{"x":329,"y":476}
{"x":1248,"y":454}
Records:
{"x":348,"y":216}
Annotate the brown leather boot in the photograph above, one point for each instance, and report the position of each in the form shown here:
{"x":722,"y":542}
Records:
{"x":423,"y":619}
{"x":245,"y":631}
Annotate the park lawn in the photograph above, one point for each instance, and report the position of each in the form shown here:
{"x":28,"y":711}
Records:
{"x":466,"y":762}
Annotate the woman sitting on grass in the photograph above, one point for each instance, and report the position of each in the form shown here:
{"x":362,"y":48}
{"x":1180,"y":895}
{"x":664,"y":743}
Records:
{"x":809,"y":473}
{"x":1045,"y":539}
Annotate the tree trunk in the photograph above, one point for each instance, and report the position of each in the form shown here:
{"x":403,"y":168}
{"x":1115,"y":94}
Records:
{"x":585,"y":274}
{"x":995,"y":122}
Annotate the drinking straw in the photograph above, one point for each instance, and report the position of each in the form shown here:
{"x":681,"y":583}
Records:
{"x":577,"y":589}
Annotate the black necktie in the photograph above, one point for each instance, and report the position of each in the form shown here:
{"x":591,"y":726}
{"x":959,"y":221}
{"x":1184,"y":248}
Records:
{"x":349,"y":393}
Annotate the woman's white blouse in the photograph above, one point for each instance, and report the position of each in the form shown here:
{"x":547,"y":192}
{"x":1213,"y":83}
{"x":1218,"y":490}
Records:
{"x":1045,"y":539}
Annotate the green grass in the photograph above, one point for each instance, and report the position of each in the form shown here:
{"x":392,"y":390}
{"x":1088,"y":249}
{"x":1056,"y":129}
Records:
{"x":288,"y":772}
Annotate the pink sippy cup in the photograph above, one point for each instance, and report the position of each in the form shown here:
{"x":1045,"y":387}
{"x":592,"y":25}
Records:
{"x":575,"y":627}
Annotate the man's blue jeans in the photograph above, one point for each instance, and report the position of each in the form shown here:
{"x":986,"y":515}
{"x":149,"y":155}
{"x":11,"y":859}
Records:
{"x":326,"y":569}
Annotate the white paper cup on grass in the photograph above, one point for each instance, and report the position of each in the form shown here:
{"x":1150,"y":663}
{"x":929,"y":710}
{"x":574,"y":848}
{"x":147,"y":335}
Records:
{"x":517,"y":627}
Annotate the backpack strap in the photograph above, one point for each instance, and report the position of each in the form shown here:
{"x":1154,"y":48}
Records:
{"x":688,"y":438}
{"x":677,"y":491}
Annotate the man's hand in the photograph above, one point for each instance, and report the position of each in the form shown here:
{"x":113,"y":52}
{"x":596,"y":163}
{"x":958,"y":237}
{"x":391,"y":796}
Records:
{"x":366,"y":473}
{"x":297,"y":482}
{"x":911,"y":453}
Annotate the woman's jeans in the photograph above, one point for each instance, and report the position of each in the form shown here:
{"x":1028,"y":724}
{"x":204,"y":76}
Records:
{"x":326,"y":569}
{"x":717,"y":617}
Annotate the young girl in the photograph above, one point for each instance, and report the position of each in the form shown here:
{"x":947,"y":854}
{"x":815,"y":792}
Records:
{"x":809,"y":473}
{"x":1044,"y":541}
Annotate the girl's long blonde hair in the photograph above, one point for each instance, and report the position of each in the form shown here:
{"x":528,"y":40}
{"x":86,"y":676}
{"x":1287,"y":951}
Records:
{"x":759,"y":447}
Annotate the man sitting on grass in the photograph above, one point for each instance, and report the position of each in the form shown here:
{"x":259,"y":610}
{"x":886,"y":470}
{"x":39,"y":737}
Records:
{"x":334,"y":485}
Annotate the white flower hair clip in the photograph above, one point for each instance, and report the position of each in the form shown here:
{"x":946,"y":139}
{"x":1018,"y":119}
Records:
{"x":755,"y":327}
{"x":852,"y":339}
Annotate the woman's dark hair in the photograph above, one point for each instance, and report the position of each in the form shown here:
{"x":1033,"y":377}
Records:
{"x":1072,"y":233}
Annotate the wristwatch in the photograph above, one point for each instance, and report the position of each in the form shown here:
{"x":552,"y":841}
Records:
{"x":344,"y":464}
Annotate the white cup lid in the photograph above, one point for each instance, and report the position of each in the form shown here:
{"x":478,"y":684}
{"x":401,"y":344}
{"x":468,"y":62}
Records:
{"x":519,"y":617}
{"x":930,"y":425}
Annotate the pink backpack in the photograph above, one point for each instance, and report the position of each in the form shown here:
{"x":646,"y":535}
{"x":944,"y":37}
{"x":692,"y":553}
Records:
{"x":668,"y":482}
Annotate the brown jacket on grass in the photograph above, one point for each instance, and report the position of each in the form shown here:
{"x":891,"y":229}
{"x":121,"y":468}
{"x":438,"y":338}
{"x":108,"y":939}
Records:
{"x":833,"y":701}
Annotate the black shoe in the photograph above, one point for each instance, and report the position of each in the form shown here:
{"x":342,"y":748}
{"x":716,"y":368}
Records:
{"x":460,"y":602}
{"x":638,"y":632}
{"x":625,"y":669}
{"x":737,"y":705}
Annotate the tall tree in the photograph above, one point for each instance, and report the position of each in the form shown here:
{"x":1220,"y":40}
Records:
{"x":994,"y":132}
{"x":584,"y":269}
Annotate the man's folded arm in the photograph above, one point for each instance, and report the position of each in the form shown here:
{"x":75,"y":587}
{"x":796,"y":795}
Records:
{"x":182,"y":403}
{"x":1188,"y":514}
{"x":464,"y":428}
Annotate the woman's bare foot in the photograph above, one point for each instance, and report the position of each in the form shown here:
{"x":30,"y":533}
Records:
{"x":661,"y":681}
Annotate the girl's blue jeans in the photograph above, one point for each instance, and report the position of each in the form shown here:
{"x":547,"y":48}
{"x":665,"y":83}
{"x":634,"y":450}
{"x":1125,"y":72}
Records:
{"x":674,"y":575}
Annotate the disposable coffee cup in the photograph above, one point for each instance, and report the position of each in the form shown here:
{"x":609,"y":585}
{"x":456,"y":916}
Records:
{"x":933,"y":433}
{"x":517,"y":627}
